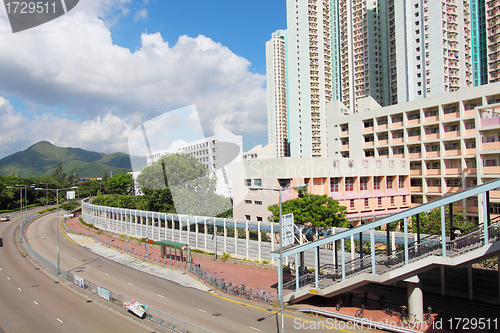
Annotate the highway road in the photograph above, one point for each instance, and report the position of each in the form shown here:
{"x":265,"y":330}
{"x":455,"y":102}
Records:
{"x":33,"y":301}
{"x":213,"y":312}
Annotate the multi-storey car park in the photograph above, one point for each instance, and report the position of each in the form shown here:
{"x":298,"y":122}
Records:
{"x":452,"y":141}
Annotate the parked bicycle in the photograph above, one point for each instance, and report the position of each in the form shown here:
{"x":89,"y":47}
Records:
{"x":360,"y":312}
{"x":339,"y":302}
{"x":428,"y":315}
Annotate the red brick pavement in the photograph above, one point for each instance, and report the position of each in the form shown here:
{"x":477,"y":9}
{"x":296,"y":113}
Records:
{"x":265,"y":279}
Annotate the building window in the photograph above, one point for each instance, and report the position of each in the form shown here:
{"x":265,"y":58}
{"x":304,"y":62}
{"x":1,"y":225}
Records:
{"x":248,"y":201}
{"x":248,"y":182}
{"x":349,"y":184}
{"x":247,"y":217}
{"x":495,"y":208}
{"x":366,"y":202}
{"x":389,"y":182}
{"x":376,"y":183}
{"x":351,"y":164}
{"x":401,"y":181}
{"x":334,"y":184}
{"x":379,"y":163}
{"x":404,"y":199}
{"x":363,"y":183}
{"x":379,"y":201}
{"x":258,"y":203}
{"x":257,"y":182}
{"x":351,"y":203}
{"x":392,"y":200}
{"x":335,"y":163}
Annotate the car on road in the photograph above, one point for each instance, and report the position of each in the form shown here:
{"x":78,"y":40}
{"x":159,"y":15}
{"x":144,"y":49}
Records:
{"x":4,"y":219}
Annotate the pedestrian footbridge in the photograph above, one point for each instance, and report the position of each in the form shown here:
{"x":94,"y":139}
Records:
{"x":413,"y":258}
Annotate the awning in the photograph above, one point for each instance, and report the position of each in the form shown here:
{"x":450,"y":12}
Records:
{"x":391,"y":193}
{"x":403,"y":191}
{"x":172,"y":244}
{"x":351,"y":195}
{"x":336,"y":196}
{"x":379,"y":193}
{"x":365,"y":194}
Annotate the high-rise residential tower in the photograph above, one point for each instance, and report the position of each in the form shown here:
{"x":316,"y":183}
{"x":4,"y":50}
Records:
{"x":492,"y":12}
{"x":277,"y":93}
{"x":309,"y":75}
{"x":433,"y":47}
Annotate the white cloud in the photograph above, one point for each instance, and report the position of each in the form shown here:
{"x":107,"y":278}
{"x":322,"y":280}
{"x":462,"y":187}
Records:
{"x":141,"y":15}
{"x":109,"y":89}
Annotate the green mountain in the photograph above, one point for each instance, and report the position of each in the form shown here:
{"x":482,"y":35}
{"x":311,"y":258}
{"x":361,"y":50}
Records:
{"x":42,"y":159}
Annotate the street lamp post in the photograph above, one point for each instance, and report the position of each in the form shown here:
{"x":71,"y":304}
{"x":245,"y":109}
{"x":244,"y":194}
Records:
{"x":21,"y":202}
{"x":46,"y":191}
{"x":57,"y":198}
{"x":280,"y":268}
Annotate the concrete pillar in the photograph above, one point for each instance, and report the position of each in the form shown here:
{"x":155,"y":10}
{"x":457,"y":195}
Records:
{"x":247,"y":237}
{"x":415,"y":298}
{"x":225,"y":237}
{"x":205,"y":229}
{"x":259,"y":240}
{"x":196,"y":229}
{"x":272,"y":243}
{"x":393,"y":241}
{"x":235,"y":240}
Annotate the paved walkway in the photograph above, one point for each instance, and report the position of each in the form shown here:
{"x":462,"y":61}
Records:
{"x":265,"y":279}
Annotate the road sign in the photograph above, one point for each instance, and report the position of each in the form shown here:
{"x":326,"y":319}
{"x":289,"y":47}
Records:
{"x":287,"y":229}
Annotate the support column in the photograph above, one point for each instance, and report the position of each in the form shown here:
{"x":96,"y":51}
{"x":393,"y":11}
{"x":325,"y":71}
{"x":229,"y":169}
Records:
{"x":235,"y":240}
{"x":225,"y":237}
{"x":247,"y":236}
{"x":297,"y":271}
{"x":196,"y":229}
{"x":259,"y":240}
{"x":415,"y":298}
{"x":280,"y":277}
{"x":205,"y":229}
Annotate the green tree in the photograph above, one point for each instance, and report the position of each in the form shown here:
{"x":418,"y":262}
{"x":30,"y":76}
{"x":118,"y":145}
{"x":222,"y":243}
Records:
{"x":182,"y":177}
{"x":430,"y":222}
{"x":120,"y":184}
{"x":59,"y":176}
{"x":319,"y":210}
{"x":70,"y":205}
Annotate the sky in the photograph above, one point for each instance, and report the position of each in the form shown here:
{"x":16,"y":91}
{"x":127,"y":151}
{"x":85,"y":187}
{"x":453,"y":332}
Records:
{"x":89,"y":77}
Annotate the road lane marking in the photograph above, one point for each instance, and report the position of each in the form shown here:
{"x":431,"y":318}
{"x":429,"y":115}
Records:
{"x":1,"y":269}
{"x":35,"y":302}
{"x":161,"y":296}
{"x":202,"y":310}
{"x":59,"y":320}
{"x":106,"y":274}
{"x":130,"y":284}
{"x":255,"y":329}
{"x":19,"y":289}
{"x":8,"y":278}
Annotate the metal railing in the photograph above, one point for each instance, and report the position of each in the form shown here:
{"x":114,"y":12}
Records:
{"x":428,"y":246}
{"x":164,"y":319}
{"x":234,"y":289}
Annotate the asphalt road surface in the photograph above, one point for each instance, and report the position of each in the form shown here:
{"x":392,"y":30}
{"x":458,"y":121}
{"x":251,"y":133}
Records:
{"x":33,"y":301}
{"x":213,"y":312}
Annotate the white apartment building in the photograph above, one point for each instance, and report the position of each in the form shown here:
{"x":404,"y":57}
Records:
{"x":215,"y":152}
{"x":259,"y":153}
{"x":276,"y":93}
{"x":452,"y":140}
{"x":433,"y":47}
{"x":309,"y":75}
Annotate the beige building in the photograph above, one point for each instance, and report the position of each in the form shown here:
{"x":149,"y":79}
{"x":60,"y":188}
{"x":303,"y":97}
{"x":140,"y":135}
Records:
{"x":368,"y":187}
{"x":452,"y":141}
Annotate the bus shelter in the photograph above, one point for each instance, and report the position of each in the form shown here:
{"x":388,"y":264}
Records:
{"x":184,"y":252}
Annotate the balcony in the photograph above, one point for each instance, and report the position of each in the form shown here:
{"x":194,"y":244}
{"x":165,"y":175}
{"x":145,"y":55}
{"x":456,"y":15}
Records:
{"x":434,"y":189}
{"x":383,"y":142}
{"x":397,"y":140}
{"x":369,"y":144}
{"x":433,"y":172}
{"x":344,"y":133}
{"x":453,"y":171}
{"x":413,"y":122}
{"x":491,"y":145}
{"x":414,"y":138}
{"x":470,"y":171}
{"x":452,"y":134}
{"x":382,"y":127}
{"x":469,"y":113}
{"x":368,"y":129}
{"x":431,"y":119}
{"x":494,"y":194}
{"x":416,"y":172}
{"x":470,"y":132}
{"x":416,"y":189}
{"x":452,"y":115}
{"x":432,"y":136}
{"x":432,"y":154}
{"x":397,"y":124}
{"x":345,"y":146}
{"x":415,"y":155}
{"x":453,"y":189}
{"x":490,"y":122}
{"x":491,"y":170}
{"x":470,"y":151}
{"x":472,"y":209}
{"x":452,"y":152}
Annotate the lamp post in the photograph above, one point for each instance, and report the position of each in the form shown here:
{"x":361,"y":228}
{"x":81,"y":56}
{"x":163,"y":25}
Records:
{"x":21,"y":202}
{"x":46,"y":191}
{"x":280,"y":268}
{"x":57,"y":198}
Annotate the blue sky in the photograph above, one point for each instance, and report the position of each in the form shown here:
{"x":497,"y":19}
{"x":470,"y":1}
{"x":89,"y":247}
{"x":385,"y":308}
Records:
{"x":88,"y":78}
